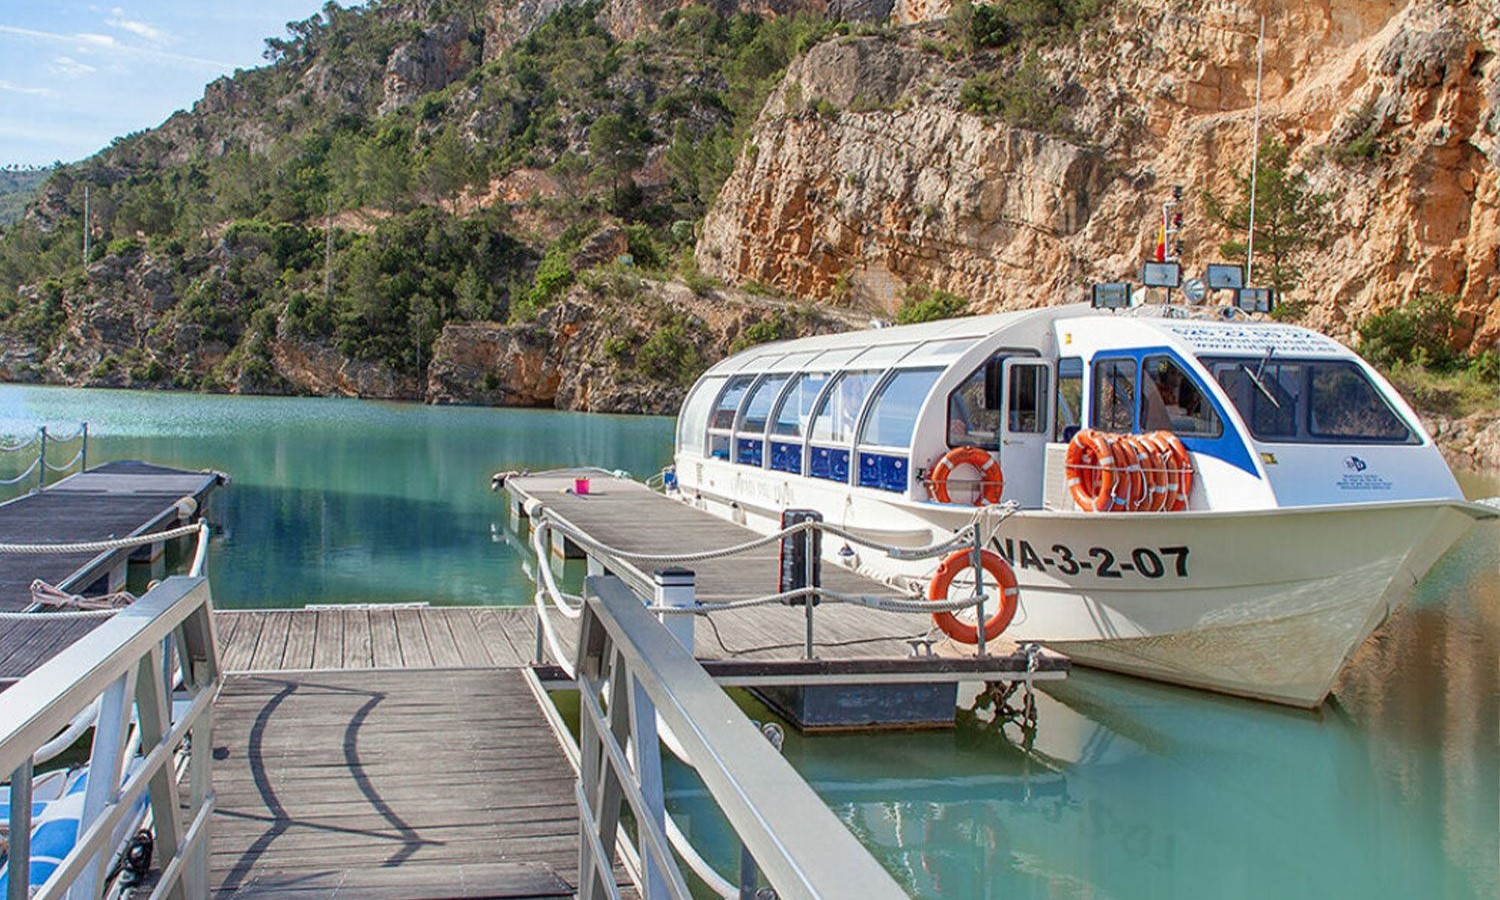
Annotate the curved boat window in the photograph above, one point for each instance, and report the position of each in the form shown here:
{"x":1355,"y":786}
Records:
{"x":974,"y":408}
{"x":893,"y":412}
{"x":758,"y":404}
{"x":694,"y":419}
{"x":935,"y":352}
{"x":1114,"y":395}
{"x":839,"y":413}
{"x":1310,"y":401}
{"x":1172,"y":401}
{"x":797,"y":403}
{"x":729,"y":402}
{"x":882,"y":357}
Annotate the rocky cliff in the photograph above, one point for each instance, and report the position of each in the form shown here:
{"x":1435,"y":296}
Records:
{"x":866,"y":173}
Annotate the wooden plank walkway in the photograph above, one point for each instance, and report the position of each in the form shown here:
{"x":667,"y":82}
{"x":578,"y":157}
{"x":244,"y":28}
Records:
{"x":616,"y":512}
{"x":390,"y":784}
{"x":375,"y":638}
{"x":117,"y":499}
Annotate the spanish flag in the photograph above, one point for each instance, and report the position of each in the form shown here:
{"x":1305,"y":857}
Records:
{"x":1161,"y":243}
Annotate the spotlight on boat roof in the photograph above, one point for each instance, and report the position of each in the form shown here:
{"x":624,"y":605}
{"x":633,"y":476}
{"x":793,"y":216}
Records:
{"x":1224,"y":277}
{"x":1255,"y":299}
{"x":1111,"y":295}
{"x":1161,"y":274}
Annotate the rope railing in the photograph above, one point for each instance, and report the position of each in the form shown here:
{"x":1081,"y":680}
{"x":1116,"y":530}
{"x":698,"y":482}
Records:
{"x":40,"y":466}
{"x":30,"y":471}
{"x":54,"y":603}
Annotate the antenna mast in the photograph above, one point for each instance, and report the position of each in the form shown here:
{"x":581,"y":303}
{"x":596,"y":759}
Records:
{"x":1260,"y":58}
{"x":85,"y":226}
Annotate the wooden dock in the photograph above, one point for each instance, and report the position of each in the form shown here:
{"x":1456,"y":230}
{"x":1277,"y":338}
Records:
{"x":117,"y":499}
{"x":390,"y":784}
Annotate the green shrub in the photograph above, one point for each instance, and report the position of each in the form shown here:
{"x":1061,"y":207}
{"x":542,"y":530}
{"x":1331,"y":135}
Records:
{"x":920,"y":303}
{"x":1416,"y":332}
{"x":776,"y":328}
{"x":669,"y":355}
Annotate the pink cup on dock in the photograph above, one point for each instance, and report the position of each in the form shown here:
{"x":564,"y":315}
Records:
{"x":580,"y":486}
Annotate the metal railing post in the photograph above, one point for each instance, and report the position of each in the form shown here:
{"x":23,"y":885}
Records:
{"x":811,"y":549}
{"x":978,"y":562}
{"x":677,"y":588}
{"x":83,"y":452}
{"x":19,"y":852}
{"x":41,"y":458}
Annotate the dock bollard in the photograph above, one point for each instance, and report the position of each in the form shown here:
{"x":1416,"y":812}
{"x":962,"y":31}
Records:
{"x":677,"y":587}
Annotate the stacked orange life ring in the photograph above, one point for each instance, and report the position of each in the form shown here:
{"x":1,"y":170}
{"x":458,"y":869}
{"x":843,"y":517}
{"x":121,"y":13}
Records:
{"x":1129,"y":472}
{"x":991,"y":479}
{"x":998,"y":569}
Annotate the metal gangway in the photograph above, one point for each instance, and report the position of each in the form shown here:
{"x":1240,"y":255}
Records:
{"x":146,"y":679}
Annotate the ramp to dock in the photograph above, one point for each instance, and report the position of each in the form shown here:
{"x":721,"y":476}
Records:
{"x":114,"y":500}
{"x":387,"y":784}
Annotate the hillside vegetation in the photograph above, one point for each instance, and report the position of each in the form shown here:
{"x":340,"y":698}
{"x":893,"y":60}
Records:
{"x":313,"y":199}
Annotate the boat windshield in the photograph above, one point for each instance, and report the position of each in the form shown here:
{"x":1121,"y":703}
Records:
{"x":1324,"y":401}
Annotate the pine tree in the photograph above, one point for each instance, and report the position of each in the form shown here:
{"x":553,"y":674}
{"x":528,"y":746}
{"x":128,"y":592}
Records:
{"x":1291,"y":219}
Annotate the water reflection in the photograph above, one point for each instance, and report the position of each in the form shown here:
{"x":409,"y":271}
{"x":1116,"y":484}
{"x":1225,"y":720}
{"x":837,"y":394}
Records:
{"x":339,"y":500}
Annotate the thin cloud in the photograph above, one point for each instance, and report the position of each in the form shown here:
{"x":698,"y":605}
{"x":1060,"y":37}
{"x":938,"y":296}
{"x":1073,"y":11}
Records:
{"x":137,"y":27}
{"x":68,"y":67}
{"x":108,"y":44}
{"x":10,"y":88}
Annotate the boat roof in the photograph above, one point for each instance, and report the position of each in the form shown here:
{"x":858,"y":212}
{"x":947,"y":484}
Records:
{"x":780,"y":355}
{"x":1195,"y":331}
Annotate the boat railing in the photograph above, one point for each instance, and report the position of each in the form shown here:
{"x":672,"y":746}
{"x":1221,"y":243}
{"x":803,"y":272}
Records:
{"x":35,"y":475}
{"x":150,"y":671}
{"x":637,"y":682}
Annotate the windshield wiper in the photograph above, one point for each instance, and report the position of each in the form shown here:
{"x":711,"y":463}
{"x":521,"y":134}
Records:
{"x":1255,"y":377}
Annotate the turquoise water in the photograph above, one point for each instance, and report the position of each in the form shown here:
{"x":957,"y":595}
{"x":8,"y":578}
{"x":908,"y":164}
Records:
{"x":1128,"y":789}
{"x":343,"y":500}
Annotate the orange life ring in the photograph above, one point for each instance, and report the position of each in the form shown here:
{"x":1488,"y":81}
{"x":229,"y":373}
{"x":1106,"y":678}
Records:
{"x":991,"y":479}
{"x":1131,"y":489}
{"x":1184,"y":465}
{"x":1164,"y":475}
{"x":999,"y":569}
{"x":1091,"y":471}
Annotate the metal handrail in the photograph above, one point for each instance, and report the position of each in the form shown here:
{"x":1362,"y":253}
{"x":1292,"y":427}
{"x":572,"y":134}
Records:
{"x":125,"y":664}
{"x":803,"y":849}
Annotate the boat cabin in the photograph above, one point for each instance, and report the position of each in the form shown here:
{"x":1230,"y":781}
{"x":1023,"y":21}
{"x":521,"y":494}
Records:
{"x":1272,"y":414}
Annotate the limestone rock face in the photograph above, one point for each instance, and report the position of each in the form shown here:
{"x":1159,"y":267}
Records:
{"x":865,"y":174}
{"x":431,"y":62}
{"x":586,"y":352}
{"x":316,"y":368}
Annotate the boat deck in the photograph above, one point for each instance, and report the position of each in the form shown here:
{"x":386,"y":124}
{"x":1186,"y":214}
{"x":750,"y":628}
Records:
{"x":765,"y":642}
{"x":117,"y":499}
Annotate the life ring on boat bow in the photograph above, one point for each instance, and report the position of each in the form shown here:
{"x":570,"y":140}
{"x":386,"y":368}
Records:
{"x":991,"y":479}
{"x":1091,"y":470}
{"x":998,"y":569}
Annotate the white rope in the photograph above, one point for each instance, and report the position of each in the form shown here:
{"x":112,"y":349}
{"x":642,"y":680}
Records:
{"x":30,"y":471}
{"x":55,"y":598}
{"x":59,"y":614}
{"x":11,"y":448}
{"x":924,"y":552}
{"x":65,"y":438}
{"x":65,"y":466}
{"x":99,"y":546}
{"x":888,"y":604}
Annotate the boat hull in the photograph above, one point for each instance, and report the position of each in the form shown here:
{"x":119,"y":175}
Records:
{"x":1267,"y":604}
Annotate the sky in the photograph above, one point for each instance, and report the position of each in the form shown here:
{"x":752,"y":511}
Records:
{"x":76,"y":75}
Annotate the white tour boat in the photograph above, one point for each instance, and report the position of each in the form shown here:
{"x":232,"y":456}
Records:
{"x":1314,"y":501}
